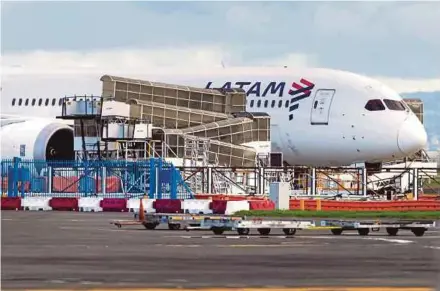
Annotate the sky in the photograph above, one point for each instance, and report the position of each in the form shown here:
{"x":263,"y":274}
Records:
{"x":394,"y":40}
{"x":56,"y":46}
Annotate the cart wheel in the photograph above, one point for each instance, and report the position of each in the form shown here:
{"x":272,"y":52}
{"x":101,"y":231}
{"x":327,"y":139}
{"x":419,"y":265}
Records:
{"x":243,"y":231}
{"x":264,"y":231}
{"x":363,"y":231}
{"x":418,"y":231}
{"x":336,"y":231}
{"x":173,"y":226}
{"x":217,"y":230}
{"x":392,"y":231}
{"x":289,"y":231}
{"x":149,"y":225}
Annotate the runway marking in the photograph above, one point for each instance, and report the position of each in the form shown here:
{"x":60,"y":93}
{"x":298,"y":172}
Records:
{"x":228,"y":236}
{"x":399,"y":241}
{"x":432,"y":247}
{"x":256,"y":246}
{"x":238,"y":245}
{"x":336,"y":288}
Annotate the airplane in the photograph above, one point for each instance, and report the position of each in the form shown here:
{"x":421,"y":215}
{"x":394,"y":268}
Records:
{"x":319,"y":117}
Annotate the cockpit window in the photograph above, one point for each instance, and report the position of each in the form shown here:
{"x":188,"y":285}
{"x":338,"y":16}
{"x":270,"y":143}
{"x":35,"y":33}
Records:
{"x":394,"y":105}
{"x":374,"y":105}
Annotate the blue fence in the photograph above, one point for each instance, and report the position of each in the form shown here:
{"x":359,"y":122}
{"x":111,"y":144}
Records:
{"x":153,"y":177}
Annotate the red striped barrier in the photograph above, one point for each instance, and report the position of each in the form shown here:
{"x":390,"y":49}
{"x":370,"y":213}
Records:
{"x":168,"y":206}
{"x":261,"y":205}
{"x":114,"y":204}
{"x":219,"y":206}
{"x":227,"y":197}
{"x":328,"y":205}
{"x":11,"y":203}
{"x":64,"y":204}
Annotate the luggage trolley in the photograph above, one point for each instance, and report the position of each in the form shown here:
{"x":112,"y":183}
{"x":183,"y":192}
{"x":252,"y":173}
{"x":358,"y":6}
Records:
{"x":417,"y":227}
{"x":175,"y":221}
{"x":243,"y":226}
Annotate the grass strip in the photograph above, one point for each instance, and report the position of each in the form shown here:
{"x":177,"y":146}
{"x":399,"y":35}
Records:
{"x":342,"y":214}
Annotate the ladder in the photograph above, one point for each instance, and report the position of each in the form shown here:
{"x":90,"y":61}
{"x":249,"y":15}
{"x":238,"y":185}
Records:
{"x":195,"y":155}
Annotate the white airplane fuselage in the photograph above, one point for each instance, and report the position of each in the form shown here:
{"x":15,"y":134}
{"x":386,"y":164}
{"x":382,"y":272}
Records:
{"x":319,"y":117}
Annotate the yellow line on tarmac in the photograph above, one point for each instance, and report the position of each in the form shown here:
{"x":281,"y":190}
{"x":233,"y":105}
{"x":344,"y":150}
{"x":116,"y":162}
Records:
{"x":256,"y":289}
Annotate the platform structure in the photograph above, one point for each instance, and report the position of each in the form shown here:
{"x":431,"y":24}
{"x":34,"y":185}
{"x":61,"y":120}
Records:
{"x":181,"y":111}
{"x":100,"y":124}
{"x":224,"y":101}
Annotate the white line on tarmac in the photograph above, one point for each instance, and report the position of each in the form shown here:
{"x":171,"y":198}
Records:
{"x":432,"y":247}
{"x":399,"y":241}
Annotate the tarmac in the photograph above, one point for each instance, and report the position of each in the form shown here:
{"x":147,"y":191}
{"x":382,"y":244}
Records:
{"x":66,"y":250}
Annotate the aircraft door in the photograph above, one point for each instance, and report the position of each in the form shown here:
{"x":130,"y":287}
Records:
{"x":321,"y":106}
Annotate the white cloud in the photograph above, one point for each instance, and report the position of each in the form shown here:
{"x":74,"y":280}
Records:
{"x":21,"y":68}
{"x":411,"y":85}
{"x":54,"y":74}
{"x":134,"y":62}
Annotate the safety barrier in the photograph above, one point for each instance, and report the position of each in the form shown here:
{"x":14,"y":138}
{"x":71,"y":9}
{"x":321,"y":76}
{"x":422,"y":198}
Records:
{"x":66,"y":204}
{"x":90,"y":204}
{"x":107,"y":179}
{"x":168,"y":206}
{"x":204,"y":206}
{"x":11,"y":203}
{"x":331,"y":205}
{"x":261,"y":205}
{"x":229,"y":197}
{"x":196,"y":206}
{"x":114,"y":204}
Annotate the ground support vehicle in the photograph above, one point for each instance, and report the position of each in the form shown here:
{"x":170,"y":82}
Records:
{"x":243,"y":226}
{"x":417,"y":227}
{"x":174,"y":220}
{"x":218,"y":224}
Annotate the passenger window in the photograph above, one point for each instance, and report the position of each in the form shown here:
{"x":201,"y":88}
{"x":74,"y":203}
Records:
{"x":273,"y":103}
{"x":61,"y":102}
{"x":375,"y":105}
{"x":40,"y":101}
{"x":287,"y":103}
{"x":13,"y":102}
{"x":33,"y":102}
{"x":394,"y":105}
{"x":26,"y":103}
{"x":280,"y":103}
{"x":258,"y":103}
{"x":54,"y":101}
{"x":47,"y":102}
{"x":252,"y":103}
{"x":266,"y":103}
{"x":20,"y":101}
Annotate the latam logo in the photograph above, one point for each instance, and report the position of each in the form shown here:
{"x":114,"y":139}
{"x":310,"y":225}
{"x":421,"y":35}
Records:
{"x":298,"y":93}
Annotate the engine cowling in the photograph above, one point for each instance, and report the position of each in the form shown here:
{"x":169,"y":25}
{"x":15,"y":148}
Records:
{"x":40,"y":140}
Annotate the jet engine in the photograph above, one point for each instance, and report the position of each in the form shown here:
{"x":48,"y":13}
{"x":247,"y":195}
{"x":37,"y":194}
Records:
{"x":37,"y":139}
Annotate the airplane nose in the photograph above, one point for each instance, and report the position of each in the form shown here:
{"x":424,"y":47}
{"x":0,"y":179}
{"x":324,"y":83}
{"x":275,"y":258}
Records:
{"x":412,"y":136}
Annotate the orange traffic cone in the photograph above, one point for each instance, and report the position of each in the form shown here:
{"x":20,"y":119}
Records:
{"x":141,"y":211}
